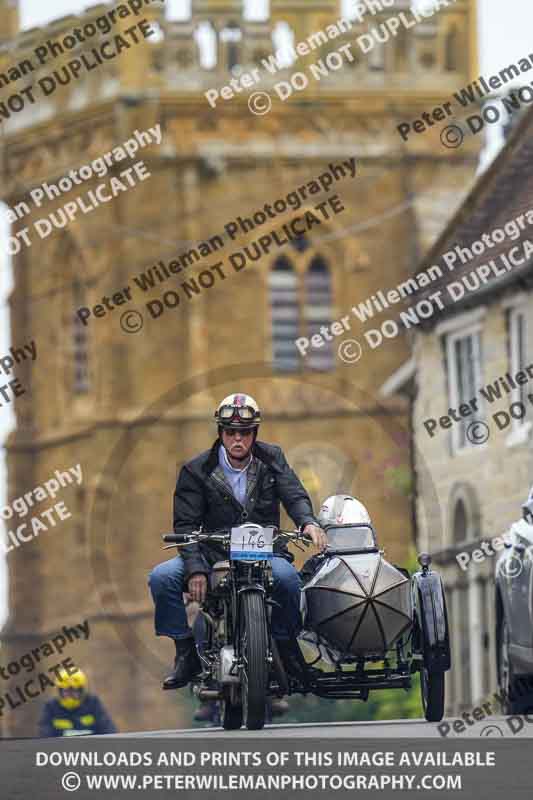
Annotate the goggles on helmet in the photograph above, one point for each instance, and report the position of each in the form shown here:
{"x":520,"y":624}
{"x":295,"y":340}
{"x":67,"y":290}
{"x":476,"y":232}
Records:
{"x":244,"y":413}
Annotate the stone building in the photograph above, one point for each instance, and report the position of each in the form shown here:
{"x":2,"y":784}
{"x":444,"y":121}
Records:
{"x":472,"y":420}
{"x":130,"y":407}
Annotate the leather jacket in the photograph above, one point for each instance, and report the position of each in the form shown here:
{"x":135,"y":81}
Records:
{"x":203,"y":499}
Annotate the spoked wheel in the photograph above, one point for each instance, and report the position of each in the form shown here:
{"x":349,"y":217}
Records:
{"x":255,"y":667}
{"x":432,"y":689}
{"x":231,"y":712}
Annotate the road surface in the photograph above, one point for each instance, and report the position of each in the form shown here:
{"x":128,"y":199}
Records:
{"x":496,"y":726}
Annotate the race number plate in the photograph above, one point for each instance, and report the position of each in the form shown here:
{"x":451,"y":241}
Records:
{"x":251,"y":543}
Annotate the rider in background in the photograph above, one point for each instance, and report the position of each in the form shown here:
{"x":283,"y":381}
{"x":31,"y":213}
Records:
{"x":75,"y":712}
{"x":238,"y":480}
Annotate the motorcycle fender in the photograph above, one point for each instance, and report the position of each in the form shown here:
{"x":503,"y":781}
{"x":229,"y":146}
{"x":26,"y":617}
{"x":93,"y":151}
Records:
{"x":430,"y":604}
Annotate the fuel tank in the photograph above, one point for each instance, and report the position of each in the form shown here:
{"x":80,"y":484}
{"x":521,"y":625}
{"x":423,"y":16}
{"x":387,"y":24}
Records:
{"x":358,"y":605}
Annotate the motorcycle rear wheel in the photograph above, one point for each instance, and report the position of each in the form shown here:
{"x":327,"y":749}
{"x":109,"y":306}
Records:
{"x":255,"y":650}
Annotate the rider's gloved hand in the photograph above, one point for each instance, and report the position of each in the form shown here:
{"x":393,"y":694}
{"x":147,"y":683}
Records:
{"x":317,"y":535}
{"x":197,"y":587}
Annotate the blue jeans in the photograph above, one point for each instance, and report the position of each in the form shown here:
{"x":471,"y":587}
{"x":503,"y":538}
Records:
{"x":167,"y":585}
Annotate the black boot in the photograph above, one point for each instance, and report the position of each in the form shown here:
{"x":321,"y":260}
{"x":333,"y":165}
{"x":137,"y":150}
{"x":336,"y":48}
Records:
{"x":294,"y":662}
{"x":279,"y":706}
{"x":187,"y":665}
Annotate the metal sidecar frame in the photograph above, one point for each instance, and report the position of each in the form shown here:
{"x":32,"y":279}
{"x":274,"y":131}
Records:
{"x":423,"y":644}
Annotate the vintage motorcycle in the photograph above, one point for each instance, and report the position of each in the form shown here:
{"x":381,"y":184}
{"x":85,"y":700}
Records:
{"x":358,"y":610}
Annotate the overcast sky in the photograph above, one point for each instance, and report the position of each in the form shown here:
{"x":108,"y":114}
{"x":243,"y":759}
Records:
{"x":504,"y":37}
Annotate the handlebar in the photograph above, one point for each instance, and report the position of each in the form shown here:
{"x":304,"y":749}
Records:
{"x":189,"y":538}
{"x":186,"y":538}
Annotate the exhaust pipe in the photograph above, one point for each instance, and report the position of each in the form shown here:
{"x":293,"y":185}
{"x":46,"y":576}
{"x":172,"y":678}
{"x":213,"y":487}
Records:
{"x":207,"y":694}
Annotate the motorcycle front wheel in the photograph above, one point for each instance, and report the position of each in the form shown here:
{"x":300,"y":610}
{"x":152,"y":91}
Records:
{"x":255,"y":666}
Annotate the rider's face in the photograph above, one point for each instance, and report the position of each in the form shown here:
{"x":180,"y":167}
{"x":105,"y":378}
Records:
{"x":238,"y":443}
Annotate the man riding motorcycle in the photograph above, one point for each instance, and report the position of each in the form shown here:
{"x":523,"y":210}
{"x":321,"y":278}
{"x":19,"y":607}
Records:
{"x":75,"y":712}
{"x":238,"y":480}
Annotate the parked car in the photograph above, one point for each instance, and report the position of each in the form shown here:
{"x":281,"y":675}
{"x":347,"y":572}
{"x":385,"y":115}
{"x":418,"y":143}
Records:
{"x":514,"y":614}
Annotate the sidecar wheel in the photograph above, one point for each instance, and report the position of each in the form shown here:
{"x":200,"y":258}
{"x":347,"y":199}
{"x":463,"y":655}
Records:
{"x":432,"y":690}
{"x":255,"y":671}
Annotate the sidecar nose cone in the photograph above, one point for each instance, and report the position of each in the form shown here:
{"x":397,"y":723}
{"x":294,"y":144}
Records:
{"x":358,"y":604}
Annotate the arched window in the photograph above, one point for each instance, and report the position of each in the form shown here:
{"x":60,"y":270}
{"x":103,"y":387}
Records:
{"x":460,"y":523}
{"x":401,"y":51}
{"x":206,"y":38}
{"x":231,"y":36}
{"x":318,"y":312}
{"x":80,"y":345}
{"x":285,"y":315}
{"x":376,"y":58}
{"x":283,"y":39}
{"x":451,"y":50}
{"x":465,"y":514}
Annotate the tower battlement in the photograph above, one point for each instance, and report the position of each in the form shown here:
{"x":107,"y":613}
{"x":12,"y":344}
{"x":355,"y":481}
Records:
{"x":432,"y":55}
{"x":9,"y":19}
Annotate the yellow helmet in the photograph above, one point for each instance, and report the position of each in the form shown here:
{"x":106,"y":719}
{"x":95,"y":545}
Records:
{"x":71,"y":688}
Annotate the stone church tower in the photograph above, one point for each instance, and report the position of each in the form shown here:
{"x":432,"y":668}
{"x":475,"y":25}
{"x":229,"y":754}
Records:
{"x":129,"y":407}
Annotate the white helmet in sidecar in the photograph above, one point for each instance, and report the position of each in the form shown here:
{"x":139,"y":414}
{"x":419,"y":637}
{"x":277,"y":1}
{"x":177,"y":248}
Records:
{"x":343,"y":509}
